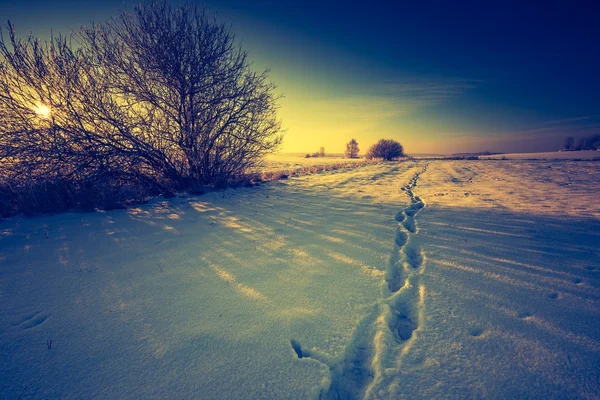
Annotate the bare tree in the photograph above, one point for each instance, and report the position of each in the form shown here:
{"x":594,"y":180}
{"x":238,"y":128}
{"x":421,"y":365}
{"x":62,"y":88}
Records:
{"x":65,"y":139}
{"x":352,"y":149}
{"x":569,"y":143}
{"x":589,"y":143}
{"x":56,"y":103}
{"x":161,"y":96}
{"x":322,"y":152}
{"x":194,"y":90}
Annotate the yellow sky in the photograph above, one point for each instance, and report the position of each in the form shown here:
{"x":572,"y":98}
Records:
{"x":315,"y":116}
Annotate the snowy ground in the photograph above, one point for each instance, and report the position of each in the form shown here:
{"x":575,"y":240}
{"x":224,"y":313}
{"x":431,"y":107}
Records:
{"x":294,"y":161}
{"x":556,"y":155}
{"x":441,"y":279}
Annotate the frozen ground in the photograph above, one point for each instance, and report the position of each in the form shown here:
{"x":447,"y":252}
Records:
{"x":556,"y":155}
{"x":447,"y":279}
{"x":294,"y":161}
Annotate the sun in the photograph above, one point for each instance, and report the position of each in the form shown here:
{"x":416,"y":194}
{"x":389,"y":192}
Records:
{"x":42,"y":110}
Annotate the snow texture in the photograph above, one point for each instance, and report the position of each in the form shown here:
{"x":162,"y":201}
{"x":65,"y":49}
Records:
{"x":439,"y":279}
{"x":556,"y":155}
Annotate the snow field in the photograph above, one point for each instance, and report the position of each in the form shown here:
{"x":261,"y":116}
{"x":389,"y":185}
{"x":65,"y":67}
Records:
{"x":556,"y":155}
{"x":446,"y":279}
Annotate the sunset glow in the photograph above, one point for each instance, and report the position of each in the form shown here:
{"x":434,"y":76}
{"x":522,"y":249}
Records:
{"x":440,"y":79}
{"x":42,"y":111}
{"x":276,"y":199}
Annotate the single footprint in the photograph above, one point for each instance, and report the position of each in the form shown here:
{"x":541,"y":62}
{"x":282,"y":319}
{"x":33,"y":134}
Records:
{"x":297,"y":348}
{"x":413,"y":256}
{"x":405,"y":327}
{"x":475,"y":332}
{"x":32,"y":323}
{"x":25,"y":319}
{"x":401,"y":238}
{"x":525,"y":315}
{"x":576,"y":281}
{"x":409,"y":224}
{"x":400,"y":216}
{"x":410,"y":211}
{"x":554,"y":295}
{"x":394,"y":281}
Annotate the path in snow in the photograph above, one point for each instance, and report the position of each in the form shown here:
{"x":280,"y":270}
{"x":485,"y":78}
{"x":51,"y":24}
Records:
{"x":376,"y":347}
{"x":335,"y":285}
{"x":512,"y":289}
{"x":195,"y":297}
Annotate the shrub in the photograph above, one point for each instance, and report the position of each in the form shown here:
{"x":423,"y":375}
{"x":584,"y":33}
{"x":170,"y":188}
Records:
{"x":589,"y":143}
{"x":160,"y":97}
{"x":60,"y":194}
{"x":385,"y":149}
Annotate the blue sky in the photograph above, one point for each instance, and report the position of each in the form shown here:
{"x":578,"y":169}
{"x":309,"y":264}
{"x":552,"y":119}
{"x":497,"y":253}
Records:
{"x":439,"y":77}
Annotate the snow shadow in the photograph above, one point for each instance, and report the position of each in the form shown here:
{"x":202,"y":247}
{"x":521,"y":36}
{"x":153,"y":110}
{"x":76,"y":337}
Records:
{"x":511,"y":299}
{"x":125,"y":290}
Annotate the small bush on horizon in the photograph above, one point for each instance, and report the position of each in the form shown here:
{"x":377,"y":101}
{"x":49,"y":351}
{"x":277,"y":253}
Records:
{"x":386,"y":149}
{"x":584,"y":143}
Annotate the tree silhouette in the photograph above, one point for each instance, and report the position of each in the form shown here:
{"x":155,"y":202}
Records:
{"x":386,"y":149}
{"x":159,"y":95}
{"x":569,"y":143}
{"x":352,"y":149}
{"x":202,"y":95}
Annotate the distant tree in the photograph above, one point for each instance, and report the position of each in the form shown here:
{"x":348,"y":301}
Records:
{"x":307,"y":155}
{"x":589,"y":143}
{"x":594,"y":142}
{"x":569,"y":143}
{"x":352,"y":149}
{"x":322,"y":152}
{"x":386,"y":149}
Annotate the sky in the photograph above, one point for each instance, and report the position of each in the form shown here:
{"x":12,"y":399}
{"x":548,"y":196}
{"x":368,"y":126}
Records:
{"x":439,"y":77}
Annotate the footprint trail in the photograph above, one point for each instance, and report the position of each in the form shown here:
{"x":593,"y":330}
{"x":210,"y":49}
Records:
{"x":382,"y":337}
